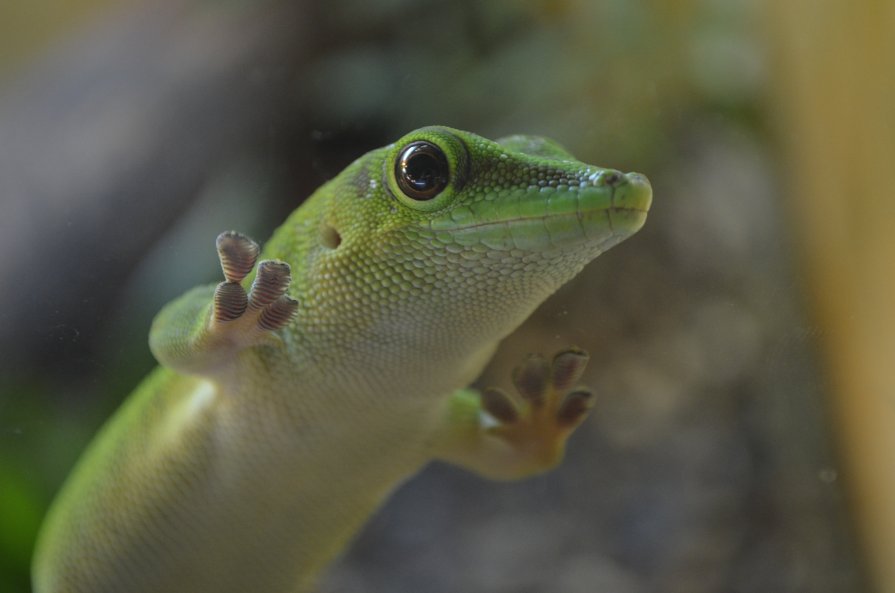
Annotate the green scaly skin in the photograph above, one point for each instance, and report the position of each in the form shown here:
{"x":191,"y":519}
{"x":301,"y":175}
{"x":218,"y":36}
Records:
{"x":249,"y":459}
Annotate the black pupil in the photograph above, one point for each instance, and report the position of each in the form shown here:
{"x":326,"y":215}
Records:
{"x":422,"y":171}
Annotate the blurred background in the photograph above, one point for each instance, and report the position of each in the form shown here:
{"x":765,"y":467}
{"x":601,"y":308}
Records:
{"x":743,"y":343}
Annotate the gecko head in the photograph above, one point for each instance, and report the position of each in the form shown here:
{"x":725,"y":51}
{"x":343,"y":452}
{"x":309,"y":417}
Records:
{"x":452,"y":220}
{"x":520,"y":194}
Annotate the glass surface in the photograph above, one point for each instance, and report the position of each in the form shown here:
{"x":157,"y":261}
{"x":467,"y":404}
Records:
{"x":741,"y":343}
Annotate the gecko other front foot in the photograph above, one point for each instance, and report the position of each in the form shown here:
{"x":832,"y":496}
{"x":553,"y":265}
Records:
{"x":549,"y":405}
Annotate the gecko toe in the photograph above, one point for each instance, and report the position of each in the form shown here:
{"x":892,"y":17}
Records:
{"x":575,"y":407}
{"x":531,"y":378}
{"x":230,"y":301}
{"x":278,"y":314}
{"x":270,"y":284}
{"x":237,"y":254}
{"x":567,"y":368}
{"x":499,"y":405}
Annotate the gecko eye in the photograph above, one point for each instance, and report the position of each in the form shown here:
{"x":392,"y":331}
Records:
{"x":422,"y":171}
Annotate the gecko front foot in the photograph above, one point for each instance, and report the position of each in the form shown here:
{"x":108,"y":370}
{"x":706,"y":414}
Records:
{"x":549,"y":406}
{"x":186,"y":336}
{"x":250,"y":317}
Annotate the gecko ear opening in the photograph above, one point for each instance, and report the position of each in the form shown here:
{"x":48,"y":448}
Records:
{"x":329,"y":236}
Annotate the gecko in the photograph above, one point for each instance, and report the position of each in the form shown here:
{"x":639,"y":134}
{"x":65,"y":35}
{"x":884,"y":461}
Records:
{"x":333,"y":364}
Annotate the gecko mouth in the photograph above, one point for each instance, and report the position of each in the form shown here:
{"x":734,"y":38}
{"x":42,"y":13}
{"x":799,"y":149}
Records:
{"x":540,"y":219}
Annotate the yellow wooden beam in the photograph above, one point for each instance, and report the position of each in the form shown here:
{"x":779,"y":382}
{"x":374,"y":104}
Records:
{"x":834,"y":101}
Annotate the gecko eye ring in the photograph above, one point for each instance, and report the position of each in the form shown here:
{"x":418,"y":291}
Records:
{"x":422,"y":171}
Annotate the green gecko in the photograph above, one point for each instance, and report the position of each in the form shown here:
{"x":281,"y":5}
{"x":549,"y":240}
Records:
{"x":296,"y":395}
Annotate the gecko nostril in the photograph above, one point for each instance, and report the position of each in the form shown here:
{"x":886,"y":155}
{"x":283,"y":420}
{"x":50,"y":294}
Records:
{"x":612,"y":178}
